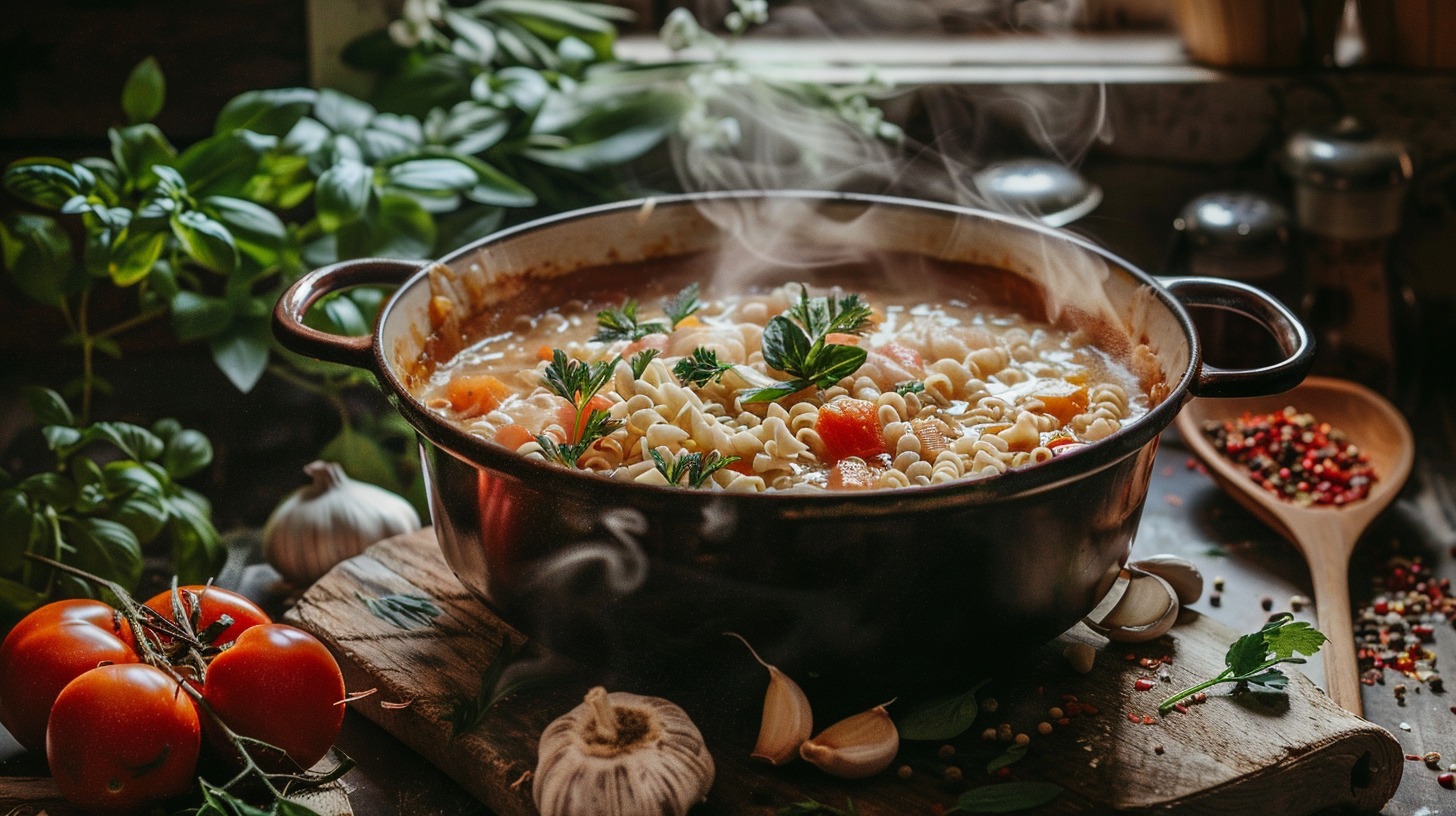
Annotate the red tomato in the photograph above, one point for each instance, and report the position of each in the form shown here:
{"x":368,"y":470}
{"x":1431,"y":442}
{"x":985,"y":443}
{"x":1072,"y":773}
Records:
{"x":567,"y":415}
{"x":851,"y":427}
{"x":121,"y":737}
{"x":214,"y":603}
{"x":280,"y":685}
{"x":48,"y":649}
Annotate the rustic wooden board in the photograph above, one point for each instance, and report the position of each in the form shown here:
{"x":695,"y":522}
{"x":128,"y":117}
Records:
{"x":1292,"y":753}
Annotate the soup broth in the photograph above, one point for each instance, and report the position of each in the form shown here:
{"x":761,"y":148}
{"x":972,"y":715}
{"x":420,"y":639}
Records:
{"x":891,"y":372}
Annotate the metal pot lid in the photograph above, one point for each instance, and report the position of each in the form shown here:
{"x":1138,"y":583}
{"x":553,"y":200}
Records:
{"x":1349,"y":156}
{"x":1040,"y":188}
{"x":1234,"y":222}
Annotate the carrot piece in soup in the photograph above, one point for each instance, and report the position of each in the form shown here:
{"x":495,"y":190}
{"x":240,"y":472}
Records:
{"x":544,"y":354}
{"x":657,"y":341}
{"x":904,"y":355}
{"x":1064,"y":406}
{"x":851,"y":474}
{"x":851,"y":427}
{"x":568,"y":415}
{"x":513,"y":436}
{"x":476,"y":395}
{"x":838,"y":339}
{"x":688,"y":322}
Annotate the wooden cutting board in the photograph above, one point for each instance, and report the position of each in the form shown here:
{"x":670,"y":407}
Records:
{"x":1274,"y":753}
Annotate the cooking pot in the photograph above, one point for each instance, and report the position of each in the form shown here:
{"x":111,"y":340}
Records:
{"x":905,"y":590}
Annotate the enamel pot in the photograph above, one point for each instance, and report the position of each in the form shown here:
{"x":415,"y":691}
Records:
{"x":884,"y":592}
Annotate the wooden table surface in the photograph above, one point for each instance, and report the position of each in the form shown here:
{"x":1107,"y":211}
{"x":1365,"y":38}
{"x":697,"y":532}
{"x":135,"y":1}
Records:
{"x":1186,"y":515}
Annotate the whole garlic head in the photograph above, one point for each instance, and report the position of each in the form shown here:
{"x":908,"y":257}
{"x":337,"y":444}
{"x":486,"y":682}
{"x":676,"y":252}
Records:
{"x":330,"y":520}
{"x":621,"y":754}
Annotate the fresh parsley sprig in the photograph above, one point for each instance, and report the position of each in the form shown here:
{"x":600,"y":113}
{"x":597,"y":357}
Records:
{"x":622,"y":324}
{"x":694,"y":466}
{"x":681,"y":306}
{"x":640,"y":360}
{"x":824,"y":315}
{"x":809,"y":360}
{"x":577,"y":383}
{"x":701,"y":367}
{"x":1252,"y":659}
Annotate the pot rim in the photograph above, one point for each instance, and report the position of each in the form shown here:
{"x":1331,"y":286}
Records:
{"x":1022,"y":481}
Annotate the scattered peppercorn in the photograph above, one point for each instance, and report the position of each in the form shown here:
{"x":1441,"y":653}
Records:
{"x":952,"y":774}
{"x":1218,"y":583}
{"x":1297,"y":603}
{"x":1044,"y":728}
{"x":1055,"y":713}
{"x":1215,"y":599}
{"x":904,"y":772}
{"x":1158,"y":749}
{"x":1003,"y":733}
{"x":1022,"y":739}
{"x":1266,"y":603}
{"x":989,"y":705}
{"x":1394,"y":629}
{"x":1295,"y":457}
{"x":1433,"y":759}
{"x":946,"y":751}
{"x":989,"y":734}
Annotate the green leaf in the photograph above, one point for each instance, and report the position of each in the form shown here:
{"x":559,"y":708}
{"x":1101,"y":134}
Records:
{"x":197,"y":316}
{"x":342,"y":194}
{"x":342,"y":113}
{"x":495,"y":187}
{"x":362,"y":458}
{"x":784,"y":345}
{"x":47,"y":406}
{"x":256,"y":229}
{"x":431,"y":175}
{"x":132,"y":259}
{"x":1006,"y":797}
{"x":1007,"y":758}
{"x":135,"y":441}
{"x":198,"y":551}
{"x":773,"y":392}
{"x":942,"y":719}
{"x":398,"y":228}
{"x":1272,"y":679}
{"x":1291,"y":637}
{"x":225,"y":163}
{"x":402,"y":611}
{"x":109,"y":181}
{"x":105,"y":549}
{"x":465,"y":715}
{"x":144,"y":93}
{"x":1247,"y":653}
{"x":50,"y":488}
{"x":206,"y":241}
{"x":465,"y":225}
{"x":44,"y":182}
{"x":143,"y":512}
{"x":617,"y":149}
{"x":337,"y":314}
{"x":58,"y":437}
{"x":123,"y":478}
{"x":568,"y":15}
{"x":480,"y":37}
{"x":17,"y":600}
{"x":375,"y":51}
{"x":241,"y":351}
{"x":525,"y":87}
{"x":186,"y":453}
{"x":38,"y":252}
{"x":16,"y":523}
{"x":137,"y":149}
{"x":271,"y":112}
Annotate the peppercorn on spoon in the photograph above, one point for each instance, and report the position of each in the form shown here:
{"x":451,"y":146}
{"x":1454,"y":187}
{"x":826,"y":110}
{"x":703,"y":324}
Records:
{"x":1325,"y":535}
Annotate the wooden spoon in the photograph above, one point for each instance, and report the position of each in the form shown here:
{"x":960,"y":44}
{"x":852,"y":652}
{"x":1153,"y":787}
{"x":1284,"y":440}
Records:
{"x":1325,"y":535}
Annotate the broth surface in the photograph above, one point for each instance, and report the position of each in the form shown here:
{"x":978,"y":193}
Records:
{"x":963,"y":378}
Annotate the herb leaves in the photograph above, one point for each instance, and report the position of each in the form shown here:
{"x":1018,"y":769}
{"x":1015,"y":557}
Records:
{"x":1253,"y":658}
{"x":941,"y":719}
{"x":403,"y":611}
{"x":701,"y":367}
{"x":796,"y":343}
{"x":577,"y":383}
{"x":622,"y":323}
{"x":695,"y":466}
{"x":466,"y":714}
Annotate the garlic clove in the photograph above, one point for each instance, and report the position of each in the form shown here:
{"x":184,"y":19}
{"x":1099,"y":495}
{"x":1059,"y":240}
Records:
{"x":854,"y":748}
{"x":1147,"y":610}
{"x":1180,"y":573}
{"x":787,"y":718}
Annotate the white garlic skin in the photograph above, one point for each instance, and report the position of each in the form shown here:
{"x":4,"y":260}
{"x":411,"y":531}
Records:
{"x":330,"y":520}
{"x":665,"y":774}
{"x":1148,"y":609}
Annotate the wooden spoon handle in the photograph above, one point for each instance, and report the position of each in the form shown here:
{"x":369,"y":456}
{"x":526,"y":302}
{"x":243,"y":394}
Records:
{"x":1331,"y":574}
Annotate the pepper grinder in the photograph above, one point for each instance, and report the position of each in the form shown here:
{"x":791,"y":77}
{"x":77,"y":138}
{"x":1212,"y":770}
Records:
{"x":1349,"y":185}
{"x":1243,"y":236}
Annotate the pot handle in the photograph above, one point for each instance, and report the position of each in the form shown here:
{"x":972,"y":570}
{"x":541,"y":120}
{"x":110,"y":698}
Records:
{"x":288,"y":315}
{"x":1254,"y":303}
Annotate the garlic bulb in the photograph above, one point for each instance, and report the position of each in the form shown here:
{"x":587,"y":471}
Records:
{"x":787,"y":718}
{"x":332,"y":519}
{"x":621,"y":754}
{"x":860,"y":746}
{"x":1180,"y":573}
